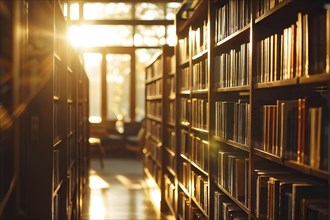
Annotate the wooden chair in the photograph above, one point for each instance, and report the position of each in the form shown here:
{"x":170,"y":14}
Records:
{"x":136,"y":143}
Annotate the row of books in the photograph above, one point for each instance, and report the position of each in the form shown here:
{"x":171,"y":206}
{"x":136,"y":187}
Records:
{"x":231,"y":17}
{"x":185,"y":110}
{"x":172,"y":64}
{"x":171,"y":111}
{"x":188,"y":210}
{"x":200,"y":76}
{"x":231,"y":120}
{"x":170,"y":191}
{"x":225,"y":209}
{"x":233,"y":173}
{"x":184,"y":206}
{"x":275,"y":57}
{"x":154,"y":170}
{"x":154,"y":149}
{"x":199,"y":38}
{"x":170,"y":137}
{"x":156,"y":69}
{"x":199,"y":152}
{"x":262,"y":6}
{"x":58,"y":134}
{"x":154,"y":88}
{"x":154,"y":128}
{"x":301,"y":49}
{"x":296,"y":130}
{"x":199,"y":113}
{"x":281,"y":195}
{"x":185,"y":79}
{"x":183,"y":44}
{"x":313,"y":42}
{"x":200,"y":188}
{"x":154,"y":108}
{"x":171,"y":85}
{"x":185,"y":176}
{"x":170,"y":160}
{"x":185,"y":143}
{"x":232,"y":69}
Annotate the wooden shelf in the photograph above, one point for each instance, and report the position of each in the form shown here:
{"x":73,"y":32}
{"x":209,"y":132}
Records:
{"x":232,"y":143}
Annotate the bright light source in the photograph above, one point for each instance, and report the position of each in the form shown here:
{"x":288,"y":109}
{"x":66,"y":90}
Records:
{"x":95,"y":119}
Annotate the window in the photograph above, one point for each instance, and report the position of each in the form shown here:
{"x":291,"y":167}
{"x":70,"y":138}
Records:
{"x":149,"y":11}
{"x":101,"y":35}
{"x":92,"y":64}
{"x":118,"y":86}
{"x":151,"y":35}
{"x":125,"y":37}
{"x":104,"y":11}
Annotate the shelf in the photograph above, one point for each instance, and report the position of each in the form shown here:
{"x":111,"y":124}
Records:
{"x":293,"y":164}
{"x":171,"y":171}
{"x":184,"y":63}
{"x":277,"y":12}
{"x":170,"y":151}
{"x":234,"y":199}
{"x":154,"y":97}
{"x":241,"y":34}
{"x":183,"y":189}
{"x":155,"y":161}
{"x":307,"y":169}
{"x":199,"y":92}
{"x":268,"y":156}
{"x":184,"y":157}
{"x":170,"y":206}
{"x":154,"y":78}
{"x":185,"y":92}
{"x":201,"y":209}
{"x":170,"y":123}
{"x":233,"y":89}
{"x":200,"y":130}
{"x":154,"y":118}
{"x":322,"y":78}
{"x":197,"y":167}
{"x":185,"y":124}
{"x":201,"y":55}
{"x":58,"y":187}
{"x":279,"y":83}
{"x":232,"y":143}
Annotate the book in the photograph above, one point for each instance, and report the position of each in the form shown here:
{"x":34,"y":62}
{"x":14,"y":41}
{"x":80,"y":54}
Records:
{"x":306,"y":191}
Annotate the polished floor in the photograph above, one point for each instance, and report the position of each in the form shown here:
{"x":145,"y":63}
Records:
{"x":119,"y":192}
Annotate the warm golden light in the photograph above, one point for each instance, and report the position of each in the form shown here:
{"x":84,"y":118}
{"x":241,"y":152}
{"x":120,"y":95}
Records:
{"x":95,"y":119}
{"x":96,"y":182}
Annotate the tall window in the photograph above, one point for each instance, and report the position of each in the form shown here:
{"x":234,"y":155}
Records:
{"x":118,"y":89}
{"x":93,"y":63}
{"x":125,"y":36}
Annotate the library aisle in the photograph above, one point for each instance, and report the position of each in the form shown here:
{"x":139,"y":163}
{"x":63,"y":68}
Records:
{"x":119,"y":192}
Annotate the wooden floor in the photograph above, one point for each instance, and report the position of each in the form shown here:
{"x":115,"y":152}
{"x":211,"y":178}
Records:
{"x":119,"y":192}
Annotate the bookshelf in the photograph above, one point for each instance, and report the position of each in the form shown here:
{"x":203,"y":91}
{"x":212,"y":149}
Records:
{"x":192,"y":121}
{"x":160,"y":149}
{"x":252,"y":102}
{"x":45,"y":147}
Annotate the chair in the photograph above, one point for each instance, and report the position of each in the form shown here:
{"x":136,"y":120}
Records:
{"x":134,"y":136}
{"x":135,"y":143}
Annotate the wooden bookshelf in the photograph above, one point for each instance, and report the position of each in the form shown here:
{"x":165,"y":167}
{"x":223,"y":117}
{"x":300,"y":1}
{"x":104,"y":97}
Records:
{"x":160,"y":154}
{"x":252,"y":97}
{"x":44,"y":150}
